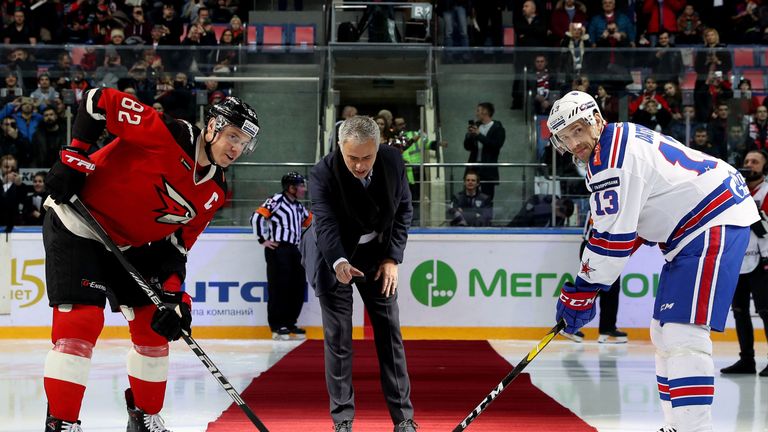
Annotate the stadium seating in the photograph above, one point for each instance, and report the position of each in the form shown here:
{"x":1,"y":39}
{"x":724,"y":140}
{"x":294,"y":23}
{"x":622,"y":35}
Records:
{"x":743,"y":57}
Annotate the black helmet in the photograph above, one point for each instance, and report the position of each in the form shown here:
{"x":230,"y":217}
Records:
{"x":291,"y":179}
{"x":234,"y":111}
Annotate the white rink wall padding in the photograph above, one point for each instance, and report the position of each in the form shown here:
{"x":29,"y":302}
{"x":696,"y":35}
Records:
{"x":453,"y":285}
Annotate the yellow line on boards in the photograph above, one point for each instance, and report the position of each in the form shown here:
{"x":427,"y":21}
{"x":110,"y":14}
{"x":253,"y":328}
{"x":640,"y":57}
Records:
{"x":413,"y":333}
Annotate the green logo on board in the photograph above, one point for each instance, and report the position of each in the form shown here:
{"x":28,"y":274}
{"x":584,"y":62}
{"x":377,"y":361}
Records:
{"x":433,"y":283}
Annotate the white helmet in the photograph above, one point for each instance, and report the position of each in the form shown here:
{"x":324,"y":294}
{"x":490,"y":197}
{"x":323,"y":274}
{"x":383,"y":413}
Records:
{"x":575,"y":105}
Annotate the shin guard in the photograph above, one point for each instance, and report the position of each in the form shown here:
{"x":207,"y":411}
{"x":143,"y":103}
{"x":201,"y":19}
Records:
{"x":662,"y":374}
{"x":147,"y":362}
{"x":691,"y":375}
{"x":74,"y":334}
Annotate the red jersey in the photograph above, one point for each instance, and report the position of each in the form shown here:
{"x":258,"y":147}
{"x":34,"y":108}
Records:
{"x":144,"y":188}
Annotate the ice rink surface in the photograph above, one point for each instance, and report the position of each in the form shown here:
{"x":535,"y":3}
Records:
{"x":612,"y":387}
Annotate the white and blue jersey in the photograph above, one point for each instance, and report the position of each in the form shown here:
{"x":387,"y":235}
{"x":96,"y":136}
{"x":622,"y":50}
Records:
{"x":646,"y":186}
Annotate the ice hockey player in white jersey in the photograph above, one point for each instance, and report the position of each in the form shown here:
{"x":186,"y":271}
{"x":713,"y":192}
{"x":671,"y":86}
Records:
{"x":647,"y":187}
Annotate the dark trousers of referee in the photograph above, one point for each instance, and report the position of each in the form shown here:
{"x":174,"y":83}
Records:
{"x":286,"y":285}
{"x":756,"y":284}
{"x":609,"y":307}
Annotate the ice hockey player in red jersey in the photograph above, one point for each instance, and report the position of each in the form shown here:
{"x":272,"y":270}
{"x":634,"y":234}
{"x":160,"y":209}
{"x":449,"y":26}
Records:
{"x":154,"y":189}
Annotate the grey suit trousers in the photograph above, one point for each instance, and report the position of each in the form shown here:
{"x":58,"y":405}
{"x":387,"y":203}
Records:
{"x":337,"y":330}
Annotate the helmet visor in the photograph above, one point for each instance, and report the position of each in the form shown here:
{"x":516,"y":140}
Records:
{"x":248,"y":128}
{"x":252,"y":130}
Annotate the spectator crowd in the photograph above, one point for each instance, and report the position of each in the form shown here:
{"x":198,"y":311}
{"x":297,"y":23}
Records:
{"x":55,"y":51}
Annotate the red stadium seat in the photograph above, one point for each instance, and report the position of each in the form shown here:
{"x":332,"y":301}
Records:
{"x":77,"y":53}
{"x":509,"y":36}
{"x":743,"y":57}
{"x":755,"y":76}
{"x":303,"y":35}
{"x":689,"y":80}
{"x":218,"y":29}
{"x":250,"y":35}
{"x":273,"y":35}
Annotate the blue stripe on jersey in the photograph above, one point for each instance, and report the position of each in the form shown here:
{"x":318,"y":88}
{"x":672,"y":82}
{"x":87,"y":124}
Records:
{"x":707,"y":209}
{"x":612,"y":245}
{"x":623,"y":145}
{"x":605,"y":142}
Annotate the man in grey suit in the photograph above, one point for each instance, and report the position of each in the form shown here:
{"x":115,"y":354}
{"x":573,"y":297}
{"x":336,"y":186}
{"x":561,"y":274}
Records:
{"x":362,"y":210}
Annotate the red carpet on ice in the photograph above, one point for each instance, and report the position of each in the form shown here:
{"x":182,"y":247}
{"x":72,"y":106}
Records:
{"x":448,"y":379}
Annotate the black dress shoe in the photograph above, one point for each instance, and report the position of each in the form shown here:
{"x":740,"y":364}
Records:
{"x":744,"y":367}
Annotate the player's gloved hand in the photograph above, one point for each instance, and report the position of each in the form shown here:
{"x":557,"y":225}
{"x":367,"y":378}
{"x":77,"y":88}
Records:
{"x":170,"y":322}
{"x":576,"y":306}
{"x":67,"y":175}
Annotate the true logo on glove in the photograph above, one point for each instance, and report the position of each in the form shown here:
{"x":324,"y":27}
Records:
{"x":79,"y":162}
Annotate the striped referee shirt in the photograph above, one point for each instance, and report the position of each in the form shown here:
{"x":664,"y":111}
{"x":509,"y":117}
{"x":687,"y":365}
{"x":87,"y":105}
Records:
{"x":280,"y":219}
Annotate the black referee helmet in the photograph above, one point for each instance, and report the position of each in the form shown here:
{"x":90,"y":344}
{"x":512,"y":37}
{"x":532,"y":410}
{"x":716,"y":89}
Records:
{"x":292,"y":179}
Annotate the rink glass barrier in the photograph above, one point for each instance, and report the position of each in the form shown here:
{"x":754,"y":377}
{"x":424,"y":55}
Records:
{"x":299,"y":89}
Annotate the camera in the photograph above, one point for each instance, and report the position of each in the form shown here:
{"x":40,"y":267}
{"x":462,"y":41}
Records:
{"x":472,"y":123}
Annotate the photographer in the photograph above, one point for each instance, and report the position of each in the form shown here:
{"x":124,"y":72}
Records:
{"x":754,"y":269}
{"x":470,"y":207}
{"x":483,"y":141}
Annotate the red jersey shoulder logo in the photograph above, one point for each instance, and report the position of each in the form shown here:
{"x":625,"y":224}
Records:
{"x":176,"y":209}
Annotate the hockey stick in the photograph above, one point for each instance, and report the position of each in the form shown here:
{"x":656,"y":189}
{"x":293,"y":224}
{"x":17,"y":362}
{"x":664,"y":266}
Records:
{"x":144,"y":285}
{"x":510,"y":376}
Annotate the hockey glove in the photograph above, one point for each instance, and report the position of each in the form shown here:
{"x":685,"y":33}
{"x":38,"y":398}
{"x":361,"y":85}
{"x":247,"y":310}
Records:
{"x":576,"y":306}
{"x":170,"y":322}
{"x":67,"y":176}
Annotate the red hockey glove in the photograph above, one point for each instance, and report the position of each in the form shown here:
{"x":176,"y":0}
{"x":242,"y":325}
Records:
{"x":67,"y":176}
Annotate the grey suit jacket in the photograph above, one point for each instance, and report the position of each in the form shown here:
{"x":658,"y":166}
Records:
{"x":334,"y":233}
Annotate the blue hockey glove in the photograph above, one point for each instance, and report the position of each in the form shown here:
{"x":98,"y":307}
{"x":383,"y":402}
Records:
{"x":576,"y":306}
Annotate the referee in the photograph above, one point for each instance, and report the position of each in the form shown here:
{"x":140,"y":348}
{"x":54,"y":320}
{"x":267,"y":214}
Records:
{"x":278,"y":224}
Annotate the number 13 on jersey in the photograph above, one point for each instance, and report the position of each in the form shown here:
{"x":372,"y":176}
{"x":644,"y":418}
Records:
{"x":606,"y":202}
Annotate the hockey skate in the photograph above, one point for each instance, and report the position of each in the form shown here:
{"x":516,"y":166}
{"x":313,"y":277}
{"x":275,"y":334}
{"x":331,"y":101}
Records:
{"x":298,"y":333}
{"x":139,"y":421}
{"x":576,"y":337}
{"x":282,"y":334}
{"x":52,"y":424}
{"x":615,"y":337}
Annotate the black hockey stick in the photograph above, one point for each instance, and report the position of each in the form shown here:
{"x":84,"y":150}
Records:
{"x":141,"y":282}
{"x":510,"y":377}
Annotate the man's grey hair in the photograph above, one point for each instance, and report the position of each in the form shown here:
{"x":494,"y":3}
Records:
{"x":359,"y":129}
